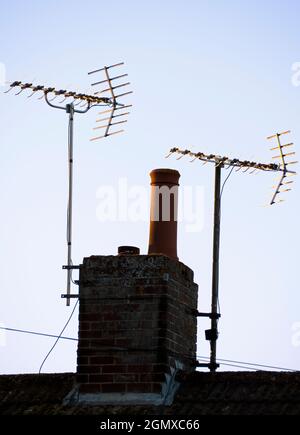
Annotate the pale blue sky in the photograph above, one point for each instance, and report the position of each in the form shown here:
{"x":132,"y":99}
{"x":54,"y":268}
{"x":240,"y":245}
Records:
{"x":211,"y":75}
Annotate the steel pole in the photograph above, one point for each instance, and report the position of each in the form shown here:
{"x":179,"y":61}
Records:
{"x":70,"y":111}
{"x":215,"y":272}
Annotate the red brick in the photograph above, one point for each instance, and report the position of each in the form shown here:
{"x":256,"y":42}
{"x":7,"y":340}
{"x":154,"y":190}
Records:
{"x":90,"y":388}
{"x":122,"y":342}
{"x":85,"y":326}
{"x":83,"y":334}
{"x":148,"y":307}
{"x":110,"y":316}
{"x":84,"y":343}
{"x":101,"y":360}
{"x":84,"y":351}
{"x":88,"y":369}
{"x":96,"y":326}
{"x":100,"y":379}
{"x":88,"y":317}
{"x":102,"y":342}
{"x":82,"y":379}
{"x":139,"y":368}
{"x":90,"y":334}
{"x":125,"y":378}
{"x":114,"y":369}
{"x":128,"y":307}
{"x":160,"y":368}
{"x":109,"y":332}
{"x":146,"y":325}
{"x":82,"y":360}
{"x":156,"y":290}
{"x":152,"y":377}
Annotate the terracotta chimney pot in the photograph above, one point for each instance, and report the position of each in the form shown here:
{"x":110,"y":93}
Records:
{"x":164,"y":210}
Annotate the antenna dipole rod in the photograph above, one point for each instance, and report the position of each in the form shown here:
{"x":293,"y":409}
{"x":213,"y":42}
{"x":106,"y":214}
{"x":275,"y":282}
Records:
{"x":70,"y":111}
{"x":281,"y":152}
{"x":215,"y":271}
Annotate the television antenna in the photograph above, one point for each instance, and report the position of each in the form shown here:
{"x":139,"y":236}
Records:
{"x":80,"y":103}
{"x":284,"y":185}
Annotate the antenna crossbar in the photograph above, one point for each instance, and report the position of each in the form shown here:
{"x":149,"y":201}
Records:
{"x":226,"y":161}
{"x":92,"y":99}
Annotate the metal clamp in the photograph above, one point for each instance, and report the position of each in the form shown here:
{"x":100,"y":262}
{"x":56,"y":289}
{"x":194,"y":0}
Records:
{"x":212,"y":316}
{"x":72,"y":267}
{"x":211,"y":366}
{"x":66,"y":296}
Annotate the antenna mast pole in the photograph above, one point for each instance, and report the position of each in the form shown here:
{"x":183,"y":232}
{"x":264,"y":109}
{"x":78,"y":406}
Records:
{"x":213,"y":333}
{"x":70,"y":111}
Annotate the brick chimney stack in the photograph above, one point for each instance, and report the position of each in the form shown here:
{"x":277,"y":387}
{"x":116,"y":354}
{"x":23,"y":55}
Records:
{"x":137,"y":326}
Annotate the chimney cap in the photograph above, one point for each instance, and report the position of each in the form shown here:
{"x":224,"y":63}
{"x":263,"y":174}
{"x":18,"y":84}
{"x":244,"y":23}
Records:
{"x":128,"y":250}
{"x":165,"y":177}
